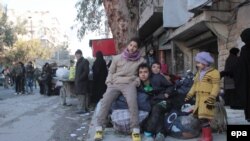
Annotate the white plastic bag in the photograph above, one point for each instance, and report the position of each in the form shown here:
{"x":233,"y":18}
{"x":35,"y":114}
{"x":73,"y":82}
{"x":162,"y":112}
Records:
{"x":62,"y":73}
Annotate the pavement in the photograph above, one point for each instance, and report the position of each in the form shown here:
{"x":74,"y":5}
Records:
{"x":6,"y":93}
{"x":235,"y":117}
{"x":40,"y":118}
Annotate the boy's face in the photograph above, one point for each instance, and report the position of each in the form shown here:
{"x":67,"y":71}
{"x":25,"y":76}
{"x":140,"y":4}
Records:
{"x":132,"y":47}
{"x":200,"y":66}
{"x":156,"y":68}
{"x":143,"y":74}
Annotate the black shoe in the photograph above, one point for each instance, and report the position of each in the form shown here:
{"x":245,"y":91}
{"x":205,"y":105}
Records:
{"x":65,"y":104}
{"x":81,"y":112}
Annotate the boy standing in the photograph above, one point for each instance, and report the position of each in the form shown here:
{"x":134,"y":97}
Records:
{"x":206,"y":88}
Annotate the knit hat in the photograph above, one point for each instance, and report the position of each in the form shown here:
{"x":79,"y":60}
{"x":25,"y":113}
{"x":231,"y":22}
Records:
{"x":204,"y":58}
{"x":245,"y":35}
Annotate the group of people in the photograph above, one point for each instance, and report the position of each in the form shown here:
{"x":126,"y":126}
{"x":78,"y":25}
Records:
{"x":237,"y":76}
{"x":25,"y":77}
{"x":21,"y":77}
{"x":129,"y":75}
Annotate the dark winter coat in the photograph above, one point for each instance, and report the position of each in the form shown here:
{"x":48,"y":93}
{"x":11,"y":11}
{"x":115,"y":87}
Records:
{"x":81,"y":76}
{"x":47,"y":74}
{"x":100,"y":73}
{"x":184,"y":85}
{"x":242,"y":81}
{"x":228,"y":71}
{"x":29,"y":71}
{"x":159,"y":82}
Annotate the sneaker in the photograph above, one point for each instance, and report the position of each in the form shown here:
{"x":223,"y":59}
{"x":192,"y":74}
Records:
{"x":159,"y":137}
{"x":148,"y":136}
{"x":98,"y":135}
{"x":136,"y":136}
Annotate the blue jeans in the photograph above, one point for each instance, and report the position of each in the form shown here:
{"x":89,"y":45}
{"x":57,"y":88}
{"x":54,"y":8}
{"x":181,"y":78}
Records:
{"x":29,"y":85}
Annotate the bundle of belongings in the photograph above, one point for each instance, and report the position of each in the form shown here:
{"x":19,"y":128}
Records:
{"x":62,"y":73}
{"x":163,"y":110}
{"x":120,"y":116}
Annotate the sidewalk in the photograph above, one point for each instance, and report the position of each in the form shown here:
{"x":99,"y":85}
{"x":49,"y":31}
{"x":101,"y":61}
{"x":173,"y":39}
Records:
{"x":234,"y":117}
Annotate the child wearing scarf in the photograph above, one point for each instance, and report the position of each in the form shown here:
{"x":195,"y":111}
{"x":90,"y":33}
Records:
{"x":206,"y":88}
{"x":122,"y":79}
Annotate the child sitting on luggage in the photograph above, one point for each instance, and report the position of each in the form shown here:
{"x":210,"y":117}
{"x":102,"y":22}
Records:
{"x":160,"y":102}
{"x":122,"y":79}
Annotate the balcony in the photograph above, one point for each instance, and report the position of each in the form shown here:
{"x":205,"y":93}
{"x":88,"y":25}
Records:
{"x":150,"y":17}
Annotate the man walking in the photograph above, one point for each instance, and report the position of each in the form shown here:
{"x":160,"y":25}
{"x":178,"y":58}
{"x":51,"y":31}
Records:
{"x":81,"y":81}
{"x":29,"y":78}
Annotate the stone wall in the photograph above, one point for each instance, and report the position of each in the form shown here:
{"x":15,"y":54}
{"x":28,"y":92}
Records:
{"x":233,"y":40}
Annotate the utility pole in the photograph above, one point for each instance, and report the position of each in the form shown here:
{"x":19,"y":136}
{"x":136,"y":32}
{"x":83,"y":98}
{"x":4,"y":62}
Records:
{"x":31,"y":27}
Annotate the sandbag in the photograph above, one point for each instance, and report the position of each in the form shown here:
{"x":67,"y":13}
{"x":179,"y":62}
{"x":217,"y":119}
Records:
{"x":185,"y":127}
{"x":62,"y":73}
{"x":121,"y":120}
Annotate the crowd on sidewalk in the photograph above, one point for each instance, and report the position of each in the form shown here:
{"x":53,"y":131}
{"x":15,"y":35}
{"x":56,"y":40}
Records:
{"x":129,"y":78}
{"x":141,"y":89}
{"x":24,"y":78}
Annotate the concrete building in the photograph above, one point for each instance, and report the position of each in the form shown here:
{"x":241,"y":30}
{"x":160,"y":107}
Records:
{"x":212,"y":26}
{"x":42,"y":25}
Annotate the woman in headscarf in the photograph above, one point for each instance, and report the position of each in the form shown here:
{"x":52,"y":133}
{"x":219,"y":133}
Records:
{"x":100,"y":73}
{"x":230,"y":96}
{"x":242,"y":82}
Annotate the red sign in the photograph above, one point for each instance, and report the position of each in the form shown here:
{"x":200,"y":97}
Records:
{"x":106,"y":46}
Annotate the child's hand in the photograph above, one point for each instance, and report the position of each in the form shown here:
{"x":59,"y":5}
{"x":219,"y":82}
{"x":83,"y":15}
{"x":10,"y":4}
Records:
{"x":137,"y":82}
{"x":187,"y":98}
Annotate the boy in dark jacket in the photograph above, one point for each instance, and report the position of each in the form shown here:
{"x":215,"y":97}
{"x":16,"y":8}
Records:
{"x":144,"y":91}
{"x":160,"y":102}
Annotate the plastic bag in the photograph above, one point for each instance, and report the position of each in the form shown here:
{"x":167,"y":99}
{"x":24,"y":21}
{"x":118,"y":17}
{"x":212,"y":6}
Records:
{"x":185,"y":127}
{"x":62,"y":73}
{"x":121,"y":120}
{"x":72,"y":71}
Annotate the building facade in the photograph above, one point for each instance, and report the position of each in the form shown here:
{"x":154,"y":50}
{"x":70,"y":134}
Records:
{"x":43,"y":26}
{"x":178,"y":30}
